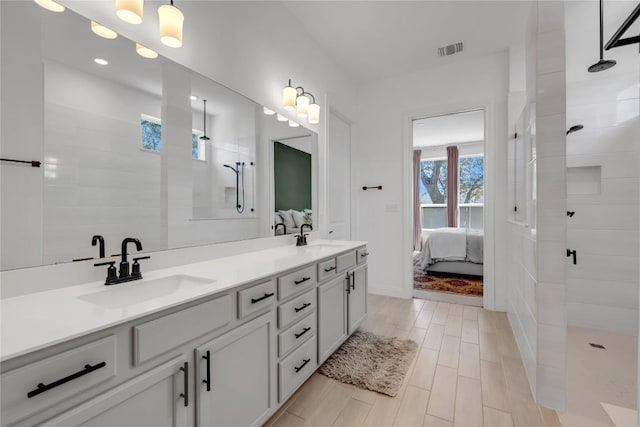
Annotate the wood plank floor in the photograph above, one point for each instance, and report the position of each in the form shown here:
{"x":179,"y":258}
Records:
{"x":467,"y":372}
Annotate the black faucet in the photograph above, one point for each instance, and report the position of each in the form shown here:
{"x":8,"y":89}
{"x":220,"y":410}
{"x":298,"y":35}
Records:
{"x":125,"y":276}
{"x":284,"y":227}
{"x":124,"y":265}
{"x":94,"y":241}
{"x":301,"y":240}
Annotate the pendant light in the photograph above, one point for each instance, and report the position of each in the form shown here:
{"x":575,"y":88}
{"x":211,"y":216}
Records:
{"x":602,"y":64}
{"x":289,"y":95}
{"x":314,"y":114}
{"x":171,"y":21}
{"x":103,"y":31}
{"x":204,"y":122}
{"x":145,"y":52}
{"x":130,"y":10}
{"x":50,"y":5}
{"x":302,"y":105}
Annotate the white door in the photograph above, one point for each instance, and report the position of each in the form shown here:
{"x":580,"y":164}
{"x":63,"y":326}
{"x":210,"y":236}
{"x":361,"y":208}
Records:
{"x":339,"y":178}
{"x":332,"y":316}
{"x":357,"y":311}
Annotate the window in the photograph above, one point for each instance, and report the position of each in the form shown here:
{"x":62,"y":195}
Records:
{"x":433,"y":193}
{"x":152,"y":138}
{"x":471,"y":192}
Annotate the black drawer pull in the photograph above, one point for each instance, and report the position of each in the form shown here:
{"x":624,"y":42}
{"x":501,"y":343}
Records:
{"x":185,"y":395}
{"x":304,"y":279}
{"x":87,"y":369}
{"x":304,"y":363}
{"x":298,"y":309}
{"x":207,"y":357}
{"x":255,"y":300}
{"x":329,"y":269}
{"x":304,"y":331}
{"x":364,"y":254}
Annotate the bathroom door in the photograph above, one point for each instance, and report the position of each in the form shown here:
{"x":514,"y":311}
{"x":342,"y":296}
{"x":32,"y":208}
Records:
{"x":339,"y":178}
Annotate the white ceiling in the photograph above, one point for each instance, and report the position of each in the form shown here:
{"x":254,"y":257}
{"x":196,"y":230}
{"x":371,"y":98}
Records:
{"x":449,"y":129}
{"x":378,"y":39}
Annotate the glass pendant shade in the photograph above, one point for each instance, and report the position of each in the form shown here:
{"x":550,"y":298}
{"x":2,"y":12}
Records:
{"x":302,"y":105}
{"x":103,"y":31}
{"x":281,"y":118}
{"x":314,"y":114}
{"x":289,"y":98}
{"x":130,"y":10}
{"x":171,"y":20}
{"x":145,"y":52}
{"x":293,"y":124}
{"x":50,"y":5}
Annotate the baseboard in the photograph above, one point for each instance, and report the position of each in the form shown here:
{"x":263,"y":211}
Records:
{"x":448,"y":297}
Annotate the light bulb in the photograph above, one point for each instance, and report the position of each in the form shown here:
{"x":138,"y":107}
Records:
{"x":145,"y":51}
{"x":130,"y":11}
{"x":268,"y":112}
{"x":171,"y":21}
{"x":302,"y":105}
{"x":103,"y":31}
{"x":50,"y":5}
{"x":281,"y":118}
{"x":289,"y":94}
{"x":314,"y":114}
{"x":293,"y":124}
{"x":101,"y":61}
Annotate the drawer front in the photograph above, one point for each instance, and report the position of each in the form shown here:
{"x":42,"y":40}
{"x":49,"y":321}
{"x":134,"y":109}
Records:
{"x":326,"y":269}
{"x":296,"y":334}
{"x":161,"y":335}
{"x":296,"y":282}
{"x":362,"y":255}
{"x":256,"y":298}
{"x":37,"y":386}
{"x":295,"y":368}
{"x":346,"y":261}
{"x":296,"y":309}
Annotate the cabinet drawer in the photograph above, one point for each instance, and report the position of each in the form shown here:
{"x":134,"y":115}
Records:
{"x":161,"y":335}
{"x":326,"y":269}
{"x":42,"y":384}
{"x":346,"y":261}
{"x":296,"y":282}
{"x":296,"y":334}
{"x":295,"y":368}
{"x":256,"y":298}
{"x":296,"y":309}
{"x":362,"y":255}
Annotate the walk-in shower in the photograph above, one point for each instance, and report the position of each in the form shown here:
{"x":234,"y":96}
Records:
{"x":239,"y":171}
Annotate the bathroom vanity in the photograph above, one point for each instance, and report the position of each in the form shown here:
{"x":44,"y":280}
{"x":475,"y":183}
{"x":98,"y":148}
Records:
{"x":217,"y":343}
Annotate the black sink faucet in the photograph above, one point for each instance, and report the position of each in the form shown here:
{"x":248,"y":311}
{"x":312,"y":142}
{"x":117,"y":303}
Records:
{"x":302,"y":238}
{"x":125,"y":276}
{"x":124,"y":265}
{"x":94,"y":241}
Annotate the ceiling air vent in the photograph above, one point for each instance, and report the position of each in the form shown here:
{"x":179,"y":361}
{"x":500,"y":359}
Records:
{"x":450,"y":50}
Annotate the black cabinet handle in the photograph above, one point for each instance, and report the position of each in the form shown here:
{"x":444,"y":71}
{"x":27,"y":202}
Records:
{"x":304,"y":279}
{"x":185,"y":395}
{"x":348,"y":280}
{"x":298,"y":309}
{"x":207,"y":357}
{"x":364,"y":254}
{"x":45,"y":387}
{"x":304,"y":331}
{"x":255,"y":300}
{"x":304,"y":363}
{"x":353,"y":281}
{"x":329,"y":269}
{"x":574,"y":253}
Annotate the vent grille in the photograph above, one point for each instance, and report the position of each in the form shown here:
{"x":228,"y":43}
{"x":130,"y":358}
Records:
{"x":450,"y":49}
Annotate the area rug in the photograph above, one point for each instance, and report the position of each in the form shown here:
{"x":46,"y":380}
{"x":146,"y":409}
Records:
{"x":372,"y":362}
{"x":444,"y":282}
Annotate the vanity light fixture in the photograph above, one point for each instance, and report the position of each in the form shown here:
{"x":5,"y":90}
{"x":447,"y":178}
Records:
{"x":171,"y":22}
{"x":101,"y":61}
{"x":145,"y":52}
{"x":204,"y":122}
{"x":302,"y":105}
{"x":50,"y":5}
{"x":314,"y":113}
{"x":293,"y":124}
{"x":130,"y":10}
{"x":281,"y":118}
{"x":302,"y":101}
{"x":268,"y":112}
{"x":103,"y":31}
{"x":289,"y":95}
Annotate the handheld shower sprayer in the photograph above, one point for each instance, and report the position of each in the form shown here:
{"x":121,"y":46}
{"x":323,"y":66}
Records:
{"x":239,"y":173}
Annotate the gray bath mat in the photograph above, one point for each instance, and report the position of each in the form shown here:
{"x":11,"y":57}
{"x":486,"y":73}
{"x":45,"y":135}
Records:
{"x":372,"y":362}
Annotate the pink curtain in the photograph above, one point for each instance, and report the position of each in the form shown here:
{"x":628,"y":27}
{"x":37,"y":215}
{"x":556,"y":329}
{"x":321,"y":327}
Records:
{"x":417,"y":224}
{"x":452,"y":186}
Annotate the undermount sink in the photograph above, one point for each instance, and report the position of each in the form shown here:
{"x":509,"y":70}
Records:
{"x":132,"y":293}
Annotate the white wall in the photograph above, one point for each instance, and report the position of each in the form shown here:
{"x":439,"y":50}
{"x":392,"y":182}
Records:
{"x":380,"y":150}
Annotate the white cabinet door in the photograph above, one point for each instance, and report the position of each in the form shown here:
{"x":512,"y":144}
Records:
{"x":157,"y":398}
{"x":357,"y":298}
{"x":332,"y":317}
{"x":235,"y":376}
{"x":339,"y":180}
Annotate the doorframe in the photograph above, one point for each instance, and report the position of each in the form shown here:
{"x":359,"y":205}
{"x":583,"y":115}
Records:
{"x":489,"y":211}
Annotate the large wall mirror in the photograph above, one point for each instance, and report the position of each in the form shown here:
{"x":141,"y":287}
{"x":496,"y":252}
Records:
{"x":133,"y":147}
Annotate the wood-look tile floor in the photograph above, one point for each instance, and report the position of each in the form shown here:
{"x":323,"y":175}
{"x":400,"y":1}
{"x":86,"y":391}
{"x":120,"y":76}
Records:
{"x":467,"y":372}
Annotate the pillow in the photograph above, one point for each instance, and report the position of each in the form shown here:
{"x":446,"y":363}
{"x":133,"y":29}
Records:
{"x":277,"y":219}
{"x":287,"y":218}
{"x":298,"y":217}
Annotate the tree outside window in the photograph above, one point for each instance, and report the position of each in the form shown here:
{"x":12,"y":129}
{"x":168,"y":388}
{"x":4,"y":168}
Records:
{"x":471,"y":180}
{"x":433,"y":182}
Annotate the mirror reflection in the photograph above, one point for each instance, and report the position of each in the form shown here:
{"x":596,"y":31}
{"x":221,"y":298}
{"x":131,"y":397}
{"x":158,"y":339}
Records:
{"x":142,"y":147}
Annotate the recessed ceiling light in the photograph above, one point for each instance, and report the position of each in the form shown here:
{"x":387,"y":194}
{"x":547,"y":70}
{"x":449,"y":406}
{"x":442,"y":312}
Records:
{"x":268,"y":112}
{"x":145,"y":51}
{"x":103,"y":31}
{"x":281,"y":118}
{"x":293,"y":124}
{"x":50,"y":5}
{"x":101,"y":61}
{"x":193,"y":98}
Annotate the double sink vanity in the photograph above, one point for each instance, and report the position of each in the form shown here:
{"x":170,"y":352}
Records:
{"x":217,"y":343}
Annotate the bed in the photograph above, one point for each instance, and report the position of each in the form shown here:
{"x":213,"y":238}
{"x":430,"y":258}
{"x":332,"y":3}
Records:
{"x":452,"y":250}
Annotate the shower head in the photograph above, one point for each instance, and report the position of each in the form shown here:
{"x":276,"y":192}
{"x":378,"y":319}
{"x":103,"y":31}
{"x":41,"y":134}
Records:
{"x":575,"y":128}
{"x":603,"y":64}
{"x":204,"y":138}
{"x":230,"y":167}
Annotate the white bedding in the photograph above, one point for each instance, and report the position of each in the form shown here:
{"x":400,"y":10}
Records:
{"x":451,"y":244}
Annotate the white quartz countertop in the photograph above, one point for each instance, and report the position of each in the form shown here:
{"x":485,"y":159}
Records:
{"x":39,"y":320}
